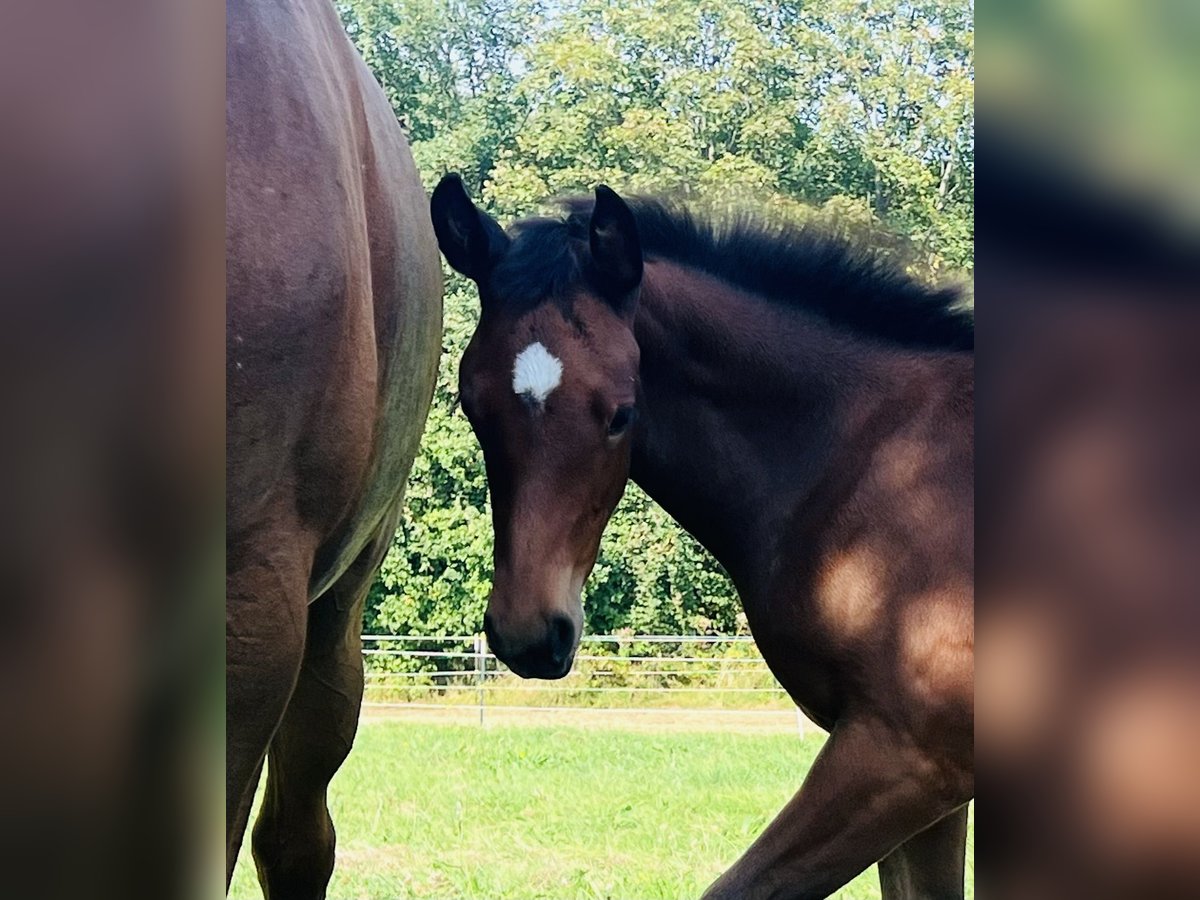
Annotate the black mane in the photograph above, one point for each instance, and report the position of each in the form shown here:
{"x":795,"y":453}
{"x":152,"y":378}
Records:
{"x":802,"y":267}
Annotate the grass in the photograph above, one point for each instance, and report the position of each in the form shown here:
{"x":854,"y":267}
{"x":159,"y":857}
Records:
{"x":509,"y":812}
{"x":589,"y":689}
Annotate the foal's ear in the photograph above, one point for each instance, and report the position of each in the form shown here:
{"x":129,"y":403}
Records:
{"x":471,"y":239}
{"x":616,"y":249}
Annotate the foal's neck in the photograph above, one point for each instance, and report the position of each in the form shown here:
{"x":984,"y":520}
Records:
{"x":750,"y":412}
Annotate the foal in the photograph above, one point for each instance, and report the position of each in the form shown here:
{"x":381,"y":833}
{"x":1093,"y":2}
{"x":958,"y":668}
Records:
{"x":806,"y":413}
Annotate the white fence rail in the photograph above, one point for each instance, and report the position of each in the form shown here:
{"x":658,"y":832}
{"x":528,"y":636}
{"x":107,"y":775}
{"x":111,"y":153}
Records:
{"x":722,"y":681}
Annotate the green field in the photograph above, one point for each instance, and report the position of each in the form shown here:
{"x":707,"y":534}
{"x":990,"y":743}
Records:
{"x":506,"y":812}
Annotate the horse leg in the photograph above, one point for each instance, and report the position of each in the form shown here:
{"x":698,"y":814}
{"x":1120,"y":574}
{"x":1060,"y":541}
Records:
{"x":866,"y":793}
{"x":293,"y":839}
{"x":929,"y":865}
{"x":265,"y":612}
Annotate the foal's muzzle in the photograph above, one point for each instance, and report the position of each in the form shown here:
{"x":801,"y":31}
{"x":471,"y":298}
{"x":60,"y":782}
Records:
{"x":545,"y":655}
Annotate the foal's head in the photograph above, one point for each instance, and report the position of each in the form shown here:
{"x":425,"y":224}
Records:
{"x":549,"y":383}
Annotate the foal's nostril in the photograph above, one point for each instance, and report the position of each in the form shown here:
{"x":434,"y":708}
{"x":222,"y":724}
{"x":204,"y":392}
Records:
{"x":561,"y":638}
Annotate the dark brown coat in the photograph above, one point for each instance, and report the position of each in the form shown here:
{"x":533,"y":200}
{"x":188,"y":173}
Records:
{"x":333,"y":336}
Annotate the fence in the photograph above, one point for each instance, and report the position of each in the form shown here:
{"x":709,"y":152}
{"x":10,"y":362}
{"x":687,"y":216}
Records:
{"x":689,"y":681}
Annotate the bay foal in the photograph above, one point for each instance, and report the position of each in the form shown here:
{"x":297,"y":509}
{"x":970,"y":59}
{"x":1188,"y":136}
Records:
{"x":806,"y":413}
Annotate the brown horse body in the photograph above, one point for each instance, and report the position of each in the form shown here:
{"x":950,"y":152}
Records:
{"x":833,"y":480}
{"x":333,"y":334}
{"x":820,"y":447}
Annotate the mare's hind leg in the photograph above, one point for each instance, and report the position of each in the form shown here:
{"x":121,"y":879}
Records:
{"x":867,"y":793}
{"x":266,"y":600}
{"x":293,"y":838}
{"x":929,"y":865}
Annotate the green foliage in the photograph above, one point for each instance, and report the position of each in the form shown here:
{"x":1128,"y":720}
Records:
{"x":857,"y":115}
{"x":436,"y":578}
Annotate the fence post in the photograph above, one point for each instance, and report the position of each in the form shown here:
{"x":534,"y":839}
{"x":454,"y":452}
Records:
{"x":480,"y":670}
{"x":801,"y":724}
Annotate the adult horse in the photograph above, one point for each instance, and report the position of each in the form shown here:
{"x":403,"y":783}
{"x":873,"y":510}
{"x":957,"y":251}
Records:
{"x":333,"y":332}
{"x":806,"y":413}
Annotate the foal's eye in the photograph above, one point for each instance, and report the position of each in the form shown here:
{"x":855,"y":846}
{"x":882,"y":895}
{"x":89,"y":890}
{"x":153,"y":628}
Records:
{"x":621,"y":420}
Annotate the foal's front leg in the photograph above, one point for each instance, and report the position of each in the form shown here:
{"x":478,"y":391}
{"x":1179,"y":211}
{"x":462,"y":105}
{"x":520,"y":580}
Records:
{"x":930,"y":865}
{"x":865,"y":794}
